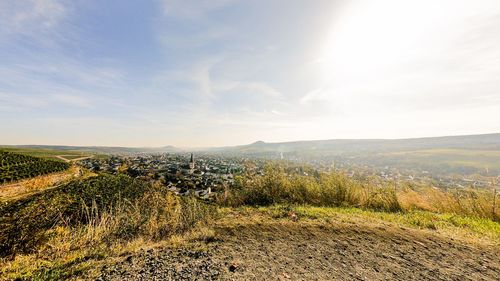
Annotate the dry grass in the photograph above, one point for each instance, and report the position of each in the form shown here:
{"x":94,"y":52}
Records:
{"x":281,"y":186}
{"x":27,"y":187}
{"x":94,"y":221}
{"x":105,"y":231}
{"x":284,"y":185}
{"x":468,"y":202}
{"x":154,"y":217}
{"x":468,"y":229}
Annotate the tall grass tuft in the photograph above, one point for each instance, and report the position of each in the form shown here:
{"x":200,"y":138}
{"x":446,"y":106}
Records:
{"x":464,"y":201}
{"x":287,"y":186}
{"x":281,"y":184}
{"x":107,"y":208}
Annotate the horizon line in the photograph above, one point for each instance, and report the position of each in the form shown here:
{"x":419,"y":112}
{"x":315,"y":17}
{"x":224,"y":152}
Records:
{"x":257,"y":141}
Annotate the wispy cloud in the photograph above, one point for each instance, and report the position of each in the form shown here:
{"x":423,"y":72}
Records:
{"x":167,"y":71}
{"x":32,"y":20}
{"x":192,"y":9}
{"x":72,"y":100}
{"x":12,"y":103}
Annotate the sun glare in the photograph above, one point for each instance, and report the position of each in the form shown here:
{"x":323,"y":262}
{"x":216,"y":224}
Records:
{"x":377,"y":36}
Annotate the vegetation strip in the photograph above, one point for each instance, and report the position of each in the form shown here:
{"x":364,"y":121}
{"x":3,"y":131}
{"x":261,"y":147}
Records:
{"x":15,"y":167}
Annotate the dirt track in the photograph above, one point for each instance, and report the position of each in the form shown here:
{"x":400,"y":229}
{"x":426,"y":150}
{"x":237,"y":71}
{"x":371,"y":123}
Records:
{"x":297,"y":251}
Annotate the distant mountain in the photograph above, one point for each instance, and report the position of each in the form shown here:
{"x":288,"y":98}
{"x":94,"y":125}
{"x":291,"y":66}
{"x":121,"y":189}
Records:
{"x":103,"y":149}
{"x":440,"y":155}
{"x":313,"y":147}
{"x":357,"y":146}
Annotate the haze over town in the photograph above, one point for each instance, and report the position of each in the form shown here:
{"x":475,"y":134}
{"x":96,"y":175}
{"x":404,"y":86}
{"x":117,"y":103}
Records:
{"x":226,"y":72}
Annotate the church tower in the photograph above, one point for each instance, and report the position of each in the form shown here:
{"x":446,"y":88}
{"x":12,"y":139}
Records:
{"x":191,"y":164}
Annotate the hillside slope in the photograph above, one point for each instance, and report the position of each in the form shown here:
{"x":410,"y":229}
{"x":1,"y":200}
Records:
{"x":341,"y":146}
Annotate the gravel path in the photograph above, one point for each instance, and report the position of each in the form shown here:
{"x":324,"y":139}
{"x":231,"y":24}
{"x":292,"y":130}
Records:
{"x":294,"y":251}
{"x":164,"y":264}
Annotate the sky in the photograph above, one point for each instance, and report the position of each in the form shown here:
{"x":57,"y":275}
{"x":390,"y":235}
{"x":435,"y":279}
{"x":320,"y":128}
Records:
{"x":226,"y":72}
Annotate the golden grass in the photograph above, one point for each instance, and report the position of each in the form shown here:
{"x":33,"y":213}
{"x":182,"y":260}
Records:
{"x":161,"y":218}
{"x":282,"y":185}
{"x":468,"y":202}
{"x":69,"y":250}
{"x":467,"y":229}
{"x":33,"y":185}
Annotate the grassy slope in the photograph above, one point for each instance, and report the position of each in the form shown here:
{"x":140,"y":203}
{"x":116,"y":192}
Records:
{"x":28,"y":187}
{"x":85,"y":261}
{"x":478,"y":159}
{"x":44,"y":153}
{"x":469,"y":229}
{"x":64,"y":255}
{"x":352,"y":244}
{"x":60,"y":232}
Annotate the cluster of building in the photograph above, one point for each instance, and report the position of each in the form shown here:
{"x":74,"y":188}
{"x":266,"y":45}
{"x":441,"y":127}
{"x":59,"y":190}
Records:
{"x":410,"y":175}
{"x":183,"y":174}
{"x":208,"y":174}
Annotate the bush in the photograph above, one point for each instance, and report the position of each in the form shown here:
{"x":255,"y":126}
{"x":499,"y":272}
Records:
{"x":112,"y":206}
{"x":287,"y":186}
{"x":464,"y":201}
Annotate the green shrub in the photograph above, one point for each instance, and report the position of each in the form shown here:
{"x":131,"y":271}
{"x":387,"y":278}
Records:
{"x":287,"y":186}
{"x":119,"y":206}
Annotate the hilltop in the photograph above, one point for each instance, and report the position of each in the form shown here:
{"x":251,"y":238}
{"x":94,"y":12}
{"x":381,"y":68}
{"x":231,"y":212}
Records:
{"x":326,"y":244}
{"x":331,"y":147}
{"x":347,"y":146}
{"x":281,"y":221}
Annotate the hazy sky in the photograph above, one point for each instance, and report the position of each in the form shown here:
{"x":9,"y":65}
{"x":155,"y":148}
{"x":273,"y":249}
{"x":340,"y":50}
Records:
{"x":222,"y":72}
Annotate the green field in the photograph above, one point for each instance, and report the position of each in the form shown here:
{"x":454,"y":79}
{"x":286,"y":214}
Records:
{"x":454,"y":160}
{"x":45,"y":153}
{"x":15,"y":166}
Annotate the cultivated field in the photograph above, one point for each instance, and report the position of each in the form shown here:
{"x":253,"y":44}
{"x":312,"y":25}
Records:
{"x":44,"y":153}
{"x":445,"y":160}
{"x":15,"y":166}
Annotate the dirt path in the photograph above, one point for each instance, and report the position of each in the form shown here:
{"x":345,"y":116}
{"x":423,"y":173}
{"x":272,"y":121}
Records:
{"x":297,"y":252}
{"x":72,"y":160}
{"x":308,"y":251}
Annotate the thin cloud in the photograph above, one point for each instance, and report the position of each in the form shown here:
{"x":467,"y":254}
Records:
{"x":72,"y":100}
{"x":30,"y":18}
{"x":192,"y":9}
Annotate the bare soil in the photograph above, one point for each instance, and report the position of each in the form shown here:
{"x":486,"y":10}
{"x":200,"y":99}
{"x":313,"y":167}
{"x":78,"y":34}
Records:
{"x":287,"y":250}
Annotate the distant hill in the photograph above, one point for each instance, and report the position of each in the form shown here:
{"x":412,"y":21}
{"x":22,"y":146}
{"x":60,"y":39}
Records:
{"x":357,"y":146}
{"x":102,"y":149}
{"x":452,"y":154}
{"x":440,"y":155}
{"x":313,"y":147}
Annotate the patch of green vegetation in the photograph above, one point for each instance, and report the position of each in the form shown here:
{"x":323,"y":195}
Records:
{"x":14,"y":166}
{"x":60,"y":270}
{"x":415,"y":219}
{"x":43,"y":268}
{"x":57,"y":234}
{"x":465,"y":161}
{"x":43,"y":153}
{"x":24,"y":223}
{"x":285,"y":185}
